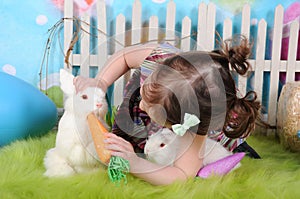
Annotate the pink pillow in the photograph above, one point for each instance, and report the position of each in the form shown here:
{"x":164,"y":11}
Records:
{"x":221,"y":167}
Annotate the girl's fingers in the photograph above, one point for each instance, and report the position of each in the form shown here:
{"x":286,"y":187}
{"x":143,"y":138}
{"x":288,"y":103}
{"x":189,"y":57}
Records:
{"x":81,"y":87}
{"x":74,"y":80}
{"x":128,"y":155}
{"x":119,"y":154}
{"x":116,"y":143}
{"x":117,"y":139}
{"x":114,"y":147}
{"x":77,"y":82}
{"x":125,"y":146}
{"x":119,"y":147}
{"x":81,"y":83}
{"x":117,"y":150}
{"x":111,"y":135}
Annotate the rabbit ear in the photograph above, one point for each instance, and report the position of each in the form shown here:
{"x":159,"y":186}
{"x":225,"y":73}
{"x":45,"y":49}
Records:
{"x":66,"y":82}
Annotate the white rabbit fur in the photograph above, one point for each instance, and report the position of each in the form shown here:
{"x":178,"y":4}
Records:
{"x":163,"y":148}
{"x":74,"y":151}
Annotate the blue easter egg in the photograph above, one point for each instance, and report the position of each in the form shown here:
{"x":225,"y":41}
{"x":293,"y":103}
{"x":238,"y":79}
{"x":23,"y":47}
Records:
{"x":25,"y":111}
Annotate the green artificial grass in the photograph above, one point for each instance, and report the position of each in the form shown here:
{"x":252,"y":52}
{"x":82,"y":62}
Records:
{"x":277,"y":175}
{"x":56,"y":95}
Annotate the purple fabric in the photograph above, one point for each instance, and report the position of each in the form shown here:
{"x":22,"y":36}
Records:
{"x":221,"y":167}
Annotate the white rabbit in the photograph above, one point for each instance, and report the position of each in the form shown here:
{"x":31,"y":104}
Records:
{"x":74,"y":151}
{"x":163,"y":148}
{"x":214,"y":151}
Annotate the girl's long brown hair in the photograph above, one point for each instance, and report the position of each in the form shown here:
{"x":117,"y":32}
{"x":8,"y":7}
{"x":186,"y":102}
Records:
{"x":201,"y":83}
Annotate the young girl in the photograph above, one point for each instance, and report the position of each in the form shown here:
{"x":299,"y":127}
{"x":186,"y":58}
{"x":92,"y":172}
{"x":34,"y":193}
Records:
{"x":194,"y":83}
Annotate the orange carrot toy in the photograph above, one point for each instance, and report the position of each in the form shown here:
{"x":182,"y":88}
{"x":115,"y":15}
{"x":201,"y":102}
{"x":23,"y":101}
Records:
{"x":117,"y":166}
{"x":98,"y":132}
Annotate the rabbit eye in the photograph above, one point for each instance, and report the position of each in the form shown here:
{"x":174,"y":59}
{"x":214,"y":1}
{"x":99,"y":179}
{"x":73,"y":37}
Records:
{"x":162,"y":145}
{"x":84,"y":96}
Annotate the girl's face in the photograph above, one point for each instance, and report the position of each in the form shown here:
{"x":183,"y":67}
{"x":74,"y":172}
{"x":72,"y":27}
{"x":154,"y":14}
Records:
{"x":144,"y":106}
{"x":156,"y":112}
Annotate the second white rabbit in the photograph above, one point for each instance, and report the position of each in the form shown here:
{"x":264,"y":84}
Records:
{"x":165,"y":146}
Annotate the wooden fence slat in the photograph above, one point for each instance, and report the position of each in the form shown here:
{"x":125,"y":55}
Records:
{"x":245,"y":29}
{"x":210,"y":27}
{"x":136,"y":19}
{"x":68,"y":30}
{"x":274,"y":76}
{"x":102,"y":34}
{"x":170,"y":22}
{"x":260,"y":58}
{"x":85,"y":46}
{"x":292,"y":52}
{"x":153,"y":29}
{"x":227,"y":29}
{"x":186,"y":31}
{"x":120,"y":32}
{"x":201,"y":27}
{"x":120,"y":37}
{"x":242,"y":84}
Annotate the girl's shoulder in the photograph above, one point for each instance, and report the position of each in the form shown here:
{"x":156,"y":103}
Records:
{"x":161,"y":52}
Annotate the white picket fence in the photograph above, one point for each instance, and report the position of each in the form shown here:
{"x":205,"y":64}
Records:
{"x":206,"y":36}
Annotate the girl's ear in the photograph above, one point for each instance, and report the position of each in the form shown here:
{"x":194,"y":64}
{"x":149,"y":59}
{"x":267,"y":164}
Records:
{"x":66,"y":82}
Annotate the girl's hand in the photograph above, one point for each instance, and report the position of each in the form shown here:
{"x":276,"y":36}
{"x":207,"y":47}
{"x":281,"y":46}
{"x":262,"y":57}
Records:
{"x":120,"y":147}
{"x":82,"y":83}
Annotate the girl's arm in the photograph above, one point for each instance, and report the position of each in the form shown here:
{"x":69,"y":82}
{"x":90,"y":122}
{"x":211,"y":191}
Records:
{"x":187,"y":165}
{"x":117,"y":65}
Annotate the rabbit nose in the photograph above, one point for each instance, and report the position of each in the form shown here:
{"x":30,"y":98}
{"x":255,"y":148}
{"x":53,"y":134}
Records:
{"x":98,"y":105}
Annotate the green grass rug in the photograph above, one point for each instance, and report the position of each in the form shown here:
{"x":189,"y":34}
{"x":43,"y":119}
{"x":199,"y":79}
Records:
{"x":277,"y":175}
